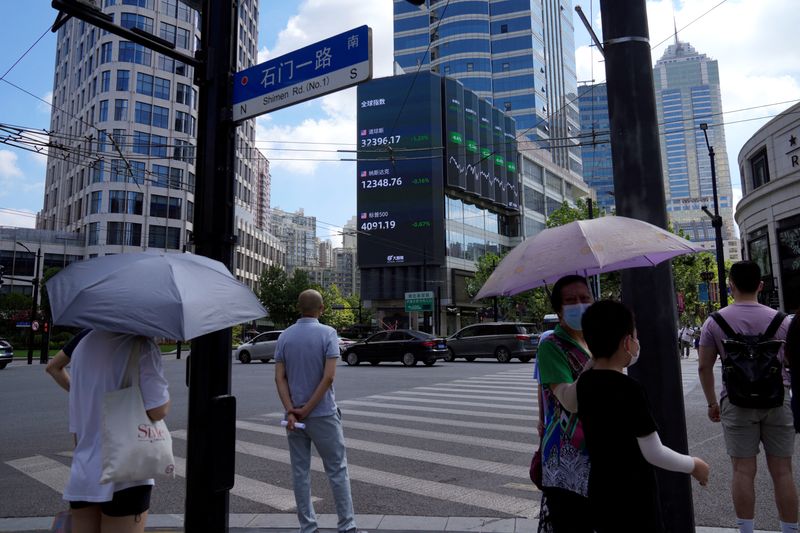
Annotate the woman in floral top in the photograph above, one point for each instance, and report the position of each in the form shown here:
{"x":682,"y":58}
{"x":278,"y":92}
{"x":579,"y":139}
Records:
{"x":565,"y":461}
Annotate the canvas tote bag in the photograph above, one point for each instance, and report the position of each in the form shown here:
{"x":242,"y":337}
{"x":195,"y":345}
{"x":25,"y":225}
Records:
{"x":134,"y":447}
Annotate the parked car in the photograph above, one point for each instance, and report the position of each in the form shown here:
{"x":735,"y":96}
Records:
{"x":6,"y":353}
{"x":500,"y":340}
{"x":261,"y":347}
{"x":404,"y":345}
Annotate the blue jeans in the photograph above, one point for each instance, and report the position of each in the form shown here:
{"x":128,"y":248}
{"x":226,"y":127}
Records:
{"x":326,"y":434}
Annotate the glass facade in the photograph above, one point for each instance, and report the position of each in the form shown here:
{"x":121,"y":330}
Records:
{"x":518,"y":54}
{"x":598,"y":171}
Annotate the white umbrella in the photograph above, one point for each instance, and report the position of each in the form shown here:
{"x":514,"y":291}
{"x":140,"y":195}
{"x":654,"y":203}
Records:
{"x":177,"y":296}
{"x":583,"y":247}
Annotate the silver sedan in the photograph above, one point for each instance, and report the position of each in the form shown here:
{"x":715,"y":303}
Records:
{"x":261,"y":347}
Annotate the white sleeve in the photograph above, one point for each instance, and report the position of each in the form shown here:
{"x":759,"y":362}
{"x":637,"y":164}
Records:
{"x":155,"y":391}
{"x":659,"y":455}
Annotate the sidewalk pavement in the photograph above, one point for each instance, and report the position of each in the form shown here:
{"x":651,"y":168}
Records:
{"x":287,"y":523}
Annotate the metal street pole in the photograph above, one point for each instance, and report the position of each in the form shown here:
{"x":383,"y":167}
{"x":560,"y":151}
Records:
{"x":639,"y":193}
{"x":212,"y":409}
{"x":34,"y":305}
{"x":716,"y":223}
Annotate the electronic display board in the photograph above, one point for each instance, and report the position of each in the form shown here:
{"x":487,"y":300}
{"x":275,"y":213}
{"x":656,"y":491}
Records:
{"x":485,"y":138}
{"x":499,"y":158}
{"x":455,"y":138}
{"x":472,"y":143}
{"x":513,"y":189}
{"x":400,"y":174}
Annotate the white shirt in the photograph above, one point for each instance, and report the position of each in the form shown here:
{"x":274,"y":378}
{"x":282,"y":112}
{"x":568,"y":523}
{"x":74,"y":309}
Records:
{"x":97,"y":366}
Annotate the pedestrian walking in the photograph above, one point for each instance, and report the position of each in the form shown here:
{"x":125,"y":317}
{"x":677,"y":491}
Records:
{"x":305,"y":367}
{"x":792,"y":355}
{"x":561,"y":358}
{"x":686,"y":338}
{"x":98,"y":363}
{"x":621,"y":434}
{"x":754,"y":405}
{"x":57,"y":366}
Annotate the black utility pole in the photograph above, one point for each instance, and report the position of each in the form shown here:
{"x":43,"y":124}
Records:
{"x":716,"y":223}
{"x":639,"y":193}
{"x":212,"y":409}
{"x":34,"y":304}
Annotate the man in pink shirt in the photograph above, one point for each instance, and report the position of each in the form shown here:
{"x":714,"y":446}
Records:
{"x":745,"y":428}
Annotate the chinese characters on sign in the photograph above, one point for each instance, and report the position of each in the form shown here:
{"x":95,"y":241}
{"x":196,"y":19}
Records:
{"x":318,"y":69}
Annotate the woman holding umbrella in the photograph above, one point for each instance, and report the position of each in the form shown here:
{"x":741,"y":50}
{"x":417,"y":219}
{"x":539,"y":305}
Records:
{"x":565,"y":461}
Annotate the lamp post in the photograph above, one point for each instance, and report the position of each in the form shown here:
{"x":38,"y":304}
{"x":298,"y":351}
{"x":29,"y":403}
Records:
{"x":716,"y":223}
{"x":35,"y":283}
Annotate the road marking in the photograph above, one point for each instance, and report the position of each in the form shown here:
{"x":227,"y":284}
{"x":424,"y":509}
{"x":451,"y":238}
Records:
{"x":530,"y":487}
{"x":44,"y":470}
{"x":499,"y":381}
{"x":465,"y":383}
{"x":415,"y":392}
{"x":420,"y":487}
{"x":415,"y":454}
{"x":443,"y":410}
{"x":247,"y":488}
{"x":434,"y":401}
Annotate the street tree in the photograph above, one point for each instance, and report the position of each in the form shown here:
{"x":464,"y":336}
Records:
{"x":273,"y":296}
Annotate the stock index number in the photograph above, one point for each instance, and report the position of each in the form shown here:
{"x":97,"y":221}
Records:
{"x":381,"y":182}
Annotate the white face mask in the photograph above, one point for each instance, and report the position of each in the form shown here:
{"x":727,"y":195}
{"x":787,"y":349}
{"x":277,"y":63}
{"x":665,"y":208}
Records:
{"x":635,"y":356}
{"x":573,"y":313}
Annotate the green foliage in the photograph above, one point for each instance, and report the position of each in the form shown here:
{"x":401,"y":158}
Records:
{"x":274,"y":296}
{"x":14,"y":305}
{"x":566,"y":214}
{"x":338,"y":313}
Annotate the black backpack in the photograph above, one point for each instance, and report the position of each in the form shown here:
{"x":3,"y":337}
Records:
{"x":751,"y":370}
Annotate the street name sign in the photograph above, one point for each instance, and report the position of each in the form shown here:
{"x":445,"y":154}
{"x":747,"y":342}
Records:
{"x":317,"y":69}
{"x":419,"y":301}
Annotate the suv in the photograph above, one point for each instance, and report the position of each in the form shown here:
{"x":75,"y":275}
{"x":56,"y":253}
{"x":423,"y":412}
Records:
{"x":501,"y":340}
{"x":260,"y":347}
{"x":6,"y":353}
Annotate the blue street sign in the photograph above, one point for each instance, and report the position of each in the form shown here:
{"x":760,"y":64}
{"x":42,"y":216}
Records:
{"x":702,"y":292}
{"x":323,"y":67}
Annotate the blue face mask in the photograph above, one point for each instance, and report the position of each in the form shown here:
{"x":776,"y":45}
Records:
{"x":572,"y":315}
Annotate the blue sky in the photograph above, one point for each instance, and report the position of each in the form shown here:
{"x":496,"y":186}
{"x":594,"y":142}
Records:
{"x":758,"y":62}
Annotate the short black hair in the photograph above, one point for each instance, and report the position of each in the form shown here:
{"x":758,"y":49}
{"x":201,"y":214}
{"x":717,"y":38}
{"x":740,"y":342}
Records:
{"x":556,"y":299}
{"x":746,"y":275}
{"x":605,"y":324}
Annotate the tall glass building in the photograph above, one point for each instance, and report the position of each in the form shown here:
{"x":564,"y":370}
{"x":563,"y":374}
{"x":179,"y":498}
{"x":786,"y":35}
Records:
{"x":598,"y":171}
{"x":518,"y":54}
{"x":124,"y":130}
{"x":687,"y":94}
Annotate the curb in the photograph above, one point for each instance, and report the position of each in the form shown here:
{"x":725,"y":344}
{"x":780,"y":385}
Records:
{"x":287,"y":523}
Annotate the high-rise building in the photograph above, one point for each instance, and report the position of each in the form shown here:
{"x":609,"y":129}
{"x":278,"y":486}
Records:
{"x":598,"y":171}
{"x":298,"y":234}
{"x":124,"y":124}
{"x":688,"y":94}
{"x":518,"y":55}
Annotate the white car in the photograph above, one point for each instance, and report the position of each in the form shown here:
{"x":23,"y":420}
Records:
{"x":260,"y":347}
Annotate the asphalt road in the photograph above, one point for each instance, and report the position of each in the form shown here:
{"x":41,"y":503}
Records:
{"x":450,"y":440}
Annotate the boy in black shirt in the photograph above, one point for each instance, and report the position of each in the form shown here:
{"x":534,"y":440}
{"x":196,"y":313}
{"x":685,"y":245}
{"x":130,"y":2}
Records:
{"x":621,"y":435}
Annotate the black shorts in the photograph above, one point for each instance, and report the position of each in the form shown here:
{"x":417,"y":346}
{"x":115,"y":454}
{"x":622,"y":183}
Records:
{"x":126,"y":502}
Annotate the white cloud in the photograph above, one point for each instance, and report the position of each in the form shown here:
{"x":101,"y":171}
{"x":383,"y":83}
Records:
{"x":9,"y":168}
{"x":18,"y":219}
{"x":263,"y":55}
{"x":46,"y":108}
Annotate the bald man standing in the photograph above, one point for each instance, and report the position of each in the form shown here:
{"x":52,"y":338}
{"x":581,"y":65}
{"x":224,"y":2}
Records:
{"x":305,"y":365}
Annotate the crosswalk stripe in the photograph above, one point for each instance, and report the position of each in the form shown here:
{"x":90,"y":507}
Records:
{"x":420,"y":487}
{"x":250,"y":489}
{"x":416,"y":454}
{"x":441,"y":410}
{"x":465,"y":383}
{"x":415,"y":392}
{"x":477,"y":391}
{"x":522,"y":486}
{"x":498,"y":381}
{"x":433,"y":401}
{"x":44,"y":470}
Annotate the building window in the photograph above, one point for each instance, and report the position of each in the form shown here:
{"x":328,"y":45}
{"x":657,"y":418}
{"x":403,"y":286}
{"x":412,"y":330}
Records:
{"x":143,"y":113}
{"x":174,"y":210}
{"x":121,"y":109}
{"x":134,"y":53}
{"x":161,"y":175}
{"x":124,"y":233}
{"x":123,"y":80}
{"x":132,"y":20}
{"x":106,"y":52}
{"x":116,"y":201}
{"x":183,"y":94}
{"x":503,"y":28}
{"x":160,"y":117}
{"x":92,"y":234}
{"x":105,"y":81}
{"x":148,"y":4}
{"x":164,"y":237}
{"x":103,"y":113}
{"x":144,"y":84}
{"x":158,"y":206}
{"x":167,"y":32}
{"x":96,"y":202}
{"x":184,"y":122}
{"x":759,"y":169}
{"x":161,"y":88}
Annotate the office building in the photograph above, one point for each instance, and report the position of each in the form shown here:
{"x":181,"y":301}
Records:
{"x":125,"y":121}
{"x":687,"y":91}
{"x":768,"y":214}
{"x":520,"y":56}
{"x":598,"y":171}
{"x":298,"y":235}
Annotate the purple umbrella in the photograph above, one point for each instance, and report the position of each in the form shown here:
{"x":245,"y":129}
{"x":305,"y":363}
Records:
{"x":583,"y":247}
